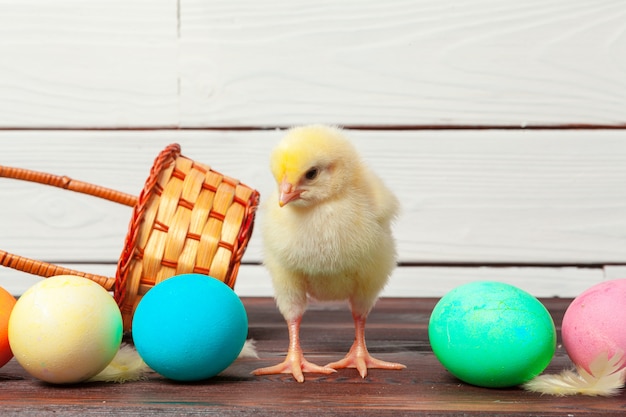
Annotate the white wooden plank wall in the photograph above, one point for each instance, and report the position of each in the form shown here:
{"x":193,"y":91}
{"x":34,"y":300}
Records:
{"x":457,"y":93}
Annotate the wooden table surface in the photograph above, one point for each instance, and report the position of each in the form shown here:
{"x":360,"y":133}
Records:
{"x":397,"y":331}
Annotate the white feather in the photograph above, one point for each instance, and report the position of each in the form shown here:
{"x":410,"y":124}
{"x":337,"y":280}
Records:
{"x":606,"y":378}
{"x":249,"y":350}
{"x":126,"y":366}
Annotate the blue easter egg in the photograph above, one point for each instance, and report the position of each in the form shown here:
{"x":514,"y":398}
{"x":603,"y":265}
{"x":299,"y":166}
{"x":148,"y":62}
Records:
{"x":189,"y":327}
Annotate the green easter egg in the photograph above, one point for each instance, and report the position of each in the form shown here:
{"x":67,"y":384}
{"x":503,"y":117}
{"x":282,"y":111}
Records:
{"x":492,"y":334}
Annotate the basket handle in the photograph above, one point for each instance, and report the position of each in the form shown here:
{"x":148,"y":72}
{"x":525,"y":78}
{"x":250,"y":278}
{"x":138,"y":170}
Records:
{"x":68,"y":184}
{"x":45,"y":269}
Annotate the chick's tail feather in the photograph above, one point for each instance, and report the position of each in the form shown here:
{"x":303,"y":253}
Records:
{"x":127,"y":365}
{"x":606,"y":378}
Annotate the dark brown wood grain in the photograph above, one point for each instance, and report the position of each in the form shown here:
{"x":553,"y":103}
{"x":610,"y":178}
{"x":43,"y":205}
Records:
{"x":397,"y":331}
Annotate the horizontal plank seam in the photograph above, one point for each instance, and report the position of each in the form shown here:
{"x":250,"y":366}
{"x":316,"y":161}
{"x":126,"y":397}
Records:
{"x":398,"y":127}
{"x":594,"y":265}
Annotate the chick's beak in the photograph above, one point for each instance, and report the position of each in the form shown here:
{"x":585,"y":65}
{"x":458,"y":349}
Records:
{"x":288,"y":193}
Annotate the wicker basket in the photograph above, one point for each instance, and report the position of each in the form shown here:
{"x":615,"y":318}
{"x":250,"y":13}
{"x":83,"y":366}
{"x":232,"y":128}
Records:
{"x":187,"y":218}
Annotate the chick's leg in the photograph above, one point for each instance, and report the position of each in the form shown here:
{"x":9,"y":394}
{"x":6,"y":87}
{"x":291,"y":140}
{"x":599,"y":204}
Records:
{"x":294,"y":363}
{"x":358,"y":357}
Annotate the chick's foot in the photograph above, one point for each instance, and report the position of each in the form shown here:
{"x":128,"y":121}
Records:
{"x":360,"y":358}
{"x":294,"y":364}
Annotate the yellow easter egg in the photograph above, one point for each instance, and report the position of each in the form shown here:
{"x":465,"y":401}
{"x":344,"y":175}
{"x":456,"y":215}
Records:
{"x":65,"y":329}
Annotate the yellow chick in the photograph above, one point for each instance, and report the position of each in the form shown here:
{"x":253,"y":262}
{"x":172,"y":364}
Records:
{"x":327,"y":235}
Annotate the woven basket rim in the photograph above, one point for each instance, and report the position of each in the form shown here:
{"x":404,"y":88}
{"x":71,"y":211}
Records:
{"x":163,"y":160}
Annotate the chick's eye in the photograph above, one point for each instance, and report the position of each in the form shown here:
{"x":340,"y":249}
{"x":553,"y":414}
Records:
{"x":311,"y":174}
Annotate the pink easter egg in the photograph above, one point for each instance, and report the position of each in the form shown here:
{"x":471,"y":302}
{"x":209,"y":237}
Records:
{"x":595,"y":322}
